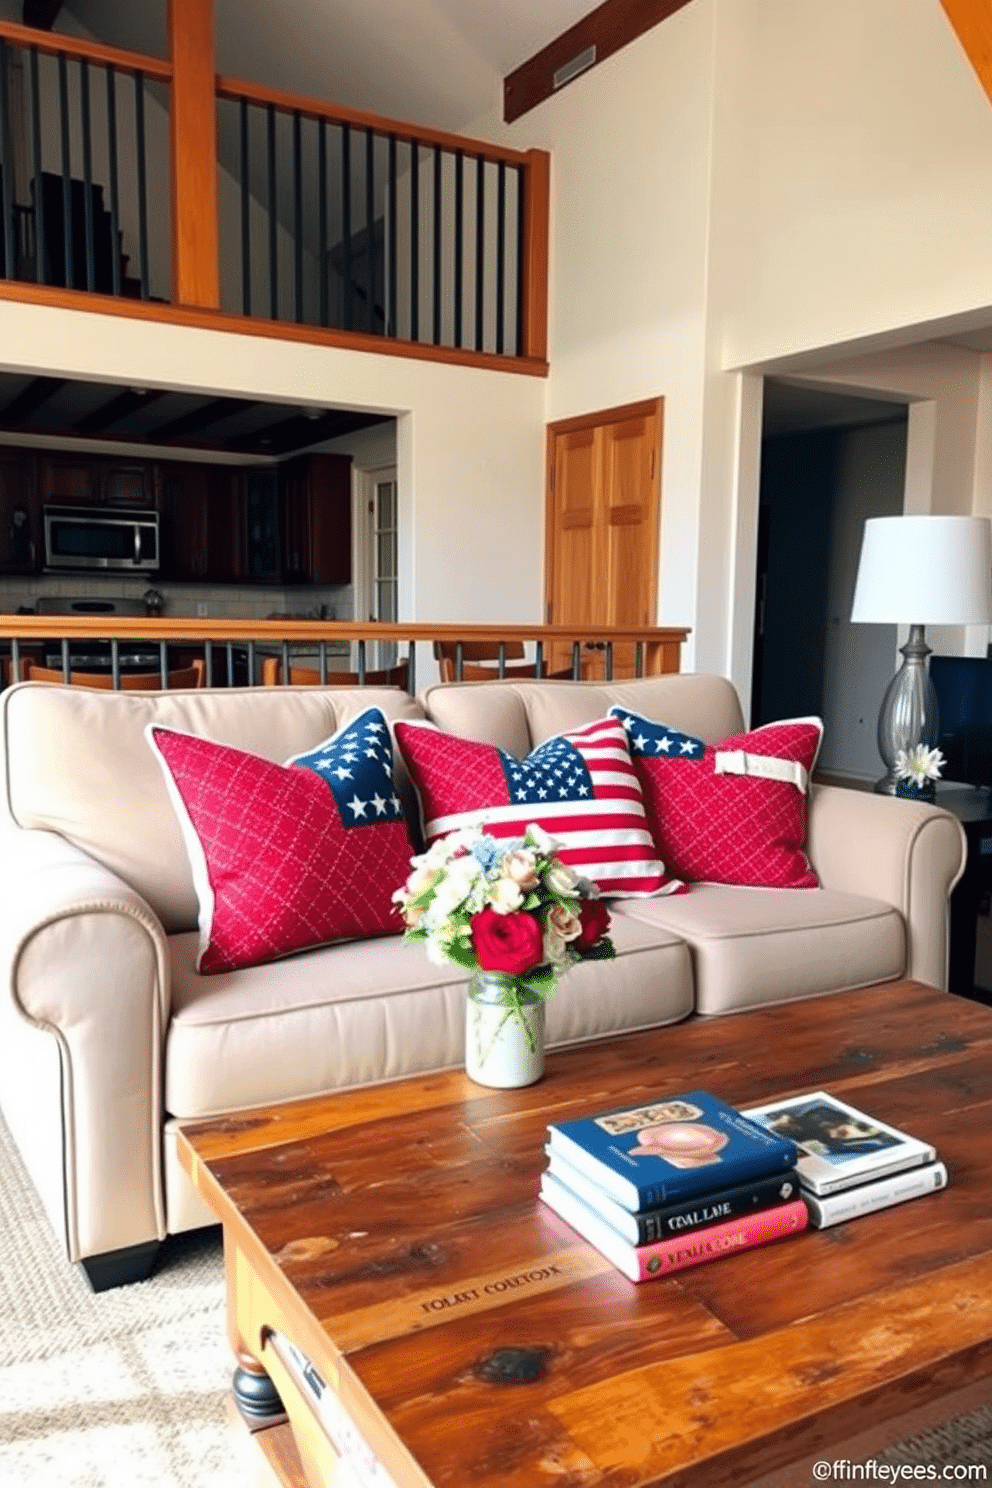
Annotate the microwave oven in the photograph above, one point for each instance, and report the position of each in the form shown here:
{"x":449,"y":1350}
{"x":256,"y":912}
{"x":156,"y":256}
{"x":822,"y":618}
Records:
{"x":101,"y":538}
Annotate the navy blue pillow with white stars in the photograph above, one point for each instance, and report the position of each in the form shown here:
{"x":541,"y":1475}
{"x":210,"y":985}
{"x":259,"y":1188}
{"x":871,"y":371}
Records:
{"x":357,"y":764}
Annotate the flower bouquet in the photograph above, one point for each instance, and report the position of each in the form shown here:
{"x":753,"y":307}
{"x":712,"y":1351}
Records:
{"x":916,"y":770}
{"x":509,"y":911}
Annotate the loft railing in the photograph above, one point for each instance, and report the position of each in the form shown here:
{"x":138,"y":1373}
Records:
{"x":234,"y":652}
{"x":347,"y":224}
{"x":76,"y":163}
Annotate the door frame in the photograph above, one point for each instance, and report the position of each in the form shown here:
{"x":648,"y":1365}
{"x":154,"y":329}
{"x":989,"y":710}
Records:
{"x":643,"y":409}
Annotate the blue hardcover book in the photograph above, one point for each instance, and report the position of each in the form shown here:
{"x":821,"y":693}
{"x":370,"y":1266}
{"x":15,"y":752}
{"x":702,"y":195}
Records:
{"x":654,"y":1154}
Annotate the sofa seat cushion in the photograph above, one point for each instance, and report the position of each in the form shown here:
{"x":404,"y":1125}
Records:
{"x":361,"y":1012}
{"x":752,"y":947}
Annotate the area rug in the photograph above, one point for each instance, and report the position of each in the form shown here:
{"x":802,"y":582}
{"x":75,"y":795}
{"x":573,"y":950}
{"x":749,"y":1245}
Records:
{"x":127,"y":1389}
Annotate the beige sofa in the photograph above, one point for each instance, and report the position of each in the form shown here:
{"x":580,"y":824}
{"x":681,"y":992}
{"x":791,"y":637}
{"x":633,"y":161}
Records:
{"x":109,"y":1039}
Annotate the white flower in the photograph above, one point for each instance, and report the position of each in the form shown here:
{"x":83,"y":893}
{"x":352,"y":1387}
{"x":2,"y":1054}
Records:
{"x":919,"y":765}
{"x":505,"y":896}
{"x":520,"y":865}
{"x":536,"y":836}
{"x":561,"y":880}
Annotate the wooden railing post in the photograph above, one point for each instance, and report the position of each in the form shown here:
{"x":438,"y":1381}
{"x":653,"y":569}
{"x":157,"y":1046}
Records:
{"x":195,"y":231}
{"x":534,"y":269}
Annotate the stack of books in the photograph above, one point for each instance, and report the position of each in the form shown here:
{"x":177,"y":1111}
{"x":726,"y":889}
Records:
{"x":850,"y":1163}
{"x":657,"y":1188}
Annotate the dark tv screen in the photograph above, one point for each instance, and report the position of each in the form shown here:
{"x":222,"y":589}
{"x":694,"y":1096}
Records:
{"x":963,"y":685}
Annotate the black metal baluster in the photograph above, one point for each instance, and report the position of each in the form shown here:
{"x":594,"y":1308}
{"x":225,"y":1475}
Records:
{"x":639,"y":663}
{"x":6,"y":175}
{"x":480,"y":246}
{"x":411,"y":676}
{"x":392,"y":328}
{"x":437,"y":245}
{"x":322,"y":218}
{"x":349,"y":289}
{"x":69,"y":266}
{"x":115,"y":196}
{"x":273,"y":223}
{"x":297,"y":216}
{"x":84,"y":108}
{"x":139,"y":124}
{"x":576,"y":662}
{"x":501,"y":660}
{"x":245,"y":209}
{"x":500,"y":253}
{"x":459,"y":661}
{"x":230,"y":665}
{"x":370,"y":226}
{"x":323,"y":663}
{"x":361,"y":663}
{"x":15,"y":659}
{"x":459,"y":241}
{"x":64,"y":655}
{"x":115,"y":664}
{"x":208,"y":657}
{"x":163,"y":663}
{"x":40,"y":269}
{"x":285,"y":663}
{"x":539,"y":659}
{"x":609,"y":661}
{"x":414,"y":240}
{"x":251,"y":667}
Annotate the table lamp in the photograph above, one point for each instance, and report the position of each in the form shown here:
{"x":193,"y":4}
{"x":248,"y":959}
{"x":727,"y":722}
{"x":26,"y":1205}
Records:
{"x":920,"y":571}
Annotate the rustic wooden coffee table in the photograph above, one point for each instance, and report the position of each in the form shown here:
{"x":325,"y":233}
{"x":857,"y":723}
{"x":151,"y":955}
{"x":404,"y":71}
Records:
{"x":457,"y":1332}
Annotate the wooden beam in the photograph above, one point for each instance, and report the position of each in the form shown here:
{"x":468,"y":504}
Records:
{"x":41,"y":14}
{"x":195,"y":231}
{"x":534,"y":288}
{"x":972,"y":20}
{"x":598,"y":35}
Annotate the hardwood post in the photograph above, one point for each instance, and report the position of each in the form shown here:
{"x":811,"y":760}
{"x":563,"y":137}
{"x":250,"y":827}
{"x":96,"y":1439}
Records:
{"x":534,"y":286}
{"x":193,"y":113}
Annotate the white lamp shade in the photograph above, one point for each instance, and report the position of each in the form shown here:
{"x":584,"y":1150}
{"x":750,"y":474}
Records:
{"x":925,"y":571}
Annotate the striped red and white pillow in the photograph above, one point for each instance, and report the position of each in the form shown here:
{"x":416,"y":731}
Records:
{"x":581,"y":787}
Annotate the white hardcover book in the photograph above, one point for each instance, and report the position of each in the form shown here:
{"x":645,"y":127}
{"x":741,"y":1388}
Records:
{"x":840,"y":1146}
{"x":851,"y":1203}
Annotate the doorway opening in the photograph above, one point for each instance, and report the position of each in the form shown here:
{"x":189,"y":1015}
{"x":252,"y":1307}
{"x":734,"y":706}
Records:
{"x":829,"y":460}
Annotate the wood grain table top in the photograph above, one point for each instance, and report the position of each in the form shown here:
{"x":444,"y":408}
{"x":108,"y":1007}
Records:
{"x":397,"y":1236}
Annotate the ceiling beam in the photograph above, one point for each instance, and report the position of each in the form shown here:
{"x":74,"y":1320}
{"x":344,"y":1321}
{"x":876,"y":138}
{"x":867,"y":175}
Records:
{"x":41,"y":13}
{"x":27,"y":403}
{"x":972,"y":20}
{"x":598,"y":35}
{"x":213,"y":412}
{"x":115,"y":411}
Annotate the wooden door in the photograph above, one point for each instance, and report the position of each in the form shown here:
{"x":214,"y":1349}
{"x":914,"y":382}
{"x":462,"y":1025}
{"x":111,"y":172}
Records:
{"x":603,"y":504}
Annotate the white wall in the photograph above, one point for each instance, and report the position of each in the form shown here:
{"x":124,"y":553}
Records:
{"x":629,"y":211}
{"x":469,"y":441}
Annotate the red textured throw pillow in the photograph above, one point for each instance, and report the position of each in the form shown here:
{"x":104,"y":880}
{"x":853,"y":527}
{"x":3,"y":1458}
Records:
{"x":286,"y":857}
{"x":732,"y":812}
{"x":581,"y":787}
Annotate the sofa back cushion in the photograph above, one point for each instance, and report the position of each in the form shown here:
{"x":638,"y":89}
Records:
{"x":76,"y":762}
{"x":519,"y":715}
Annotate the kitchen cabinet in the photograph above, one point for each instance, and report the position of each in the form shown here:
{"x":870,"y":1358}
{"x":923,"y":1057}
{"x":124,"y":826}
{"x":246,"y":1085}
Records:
{"x":21,"y":538}
{"x":316,"y":520}
{"x":183,"y":499}
{"x":262,"y":553}
{"x":95,"y":481}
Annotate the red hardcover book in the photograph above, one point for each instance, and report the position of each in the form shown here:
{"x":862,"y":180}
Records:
{"x":645,"y":1262}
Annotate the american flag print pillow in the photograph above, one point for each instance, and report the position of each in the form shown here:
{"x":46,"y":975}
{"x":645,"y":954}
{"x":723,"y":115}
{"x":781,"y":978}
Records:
{"x":581,"y":787}
{"x":287,"y":857}
{"x":733,"y":812}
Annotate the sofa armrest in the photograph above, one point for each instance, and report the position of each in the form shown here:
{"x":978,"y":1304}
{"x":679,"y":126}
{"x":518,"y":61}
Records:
{"x":84,"y":1000}
{"x":906,"y":853}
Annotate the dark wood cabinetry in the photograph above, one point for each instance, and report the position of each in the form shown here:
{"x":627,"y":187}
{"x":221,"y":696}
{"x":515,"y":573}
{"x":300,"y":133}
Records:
{"x":286,"y":524}
{"x":21,"y":538}
{"x":316,"y":520}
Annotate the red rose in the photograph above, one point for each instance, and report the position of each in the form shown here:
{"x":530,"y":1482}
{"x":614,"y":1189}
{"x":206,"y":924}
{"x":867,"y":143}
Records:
{"x":595,"y":919}
{"x":507,"y":942}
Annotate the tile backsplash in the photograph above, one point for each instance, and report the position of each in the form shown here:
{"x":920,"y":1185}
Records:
{"x":222,"y":601}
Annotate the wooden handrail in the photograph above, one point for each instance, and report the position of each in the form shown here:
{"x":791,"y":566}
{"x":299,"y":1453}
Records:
{"x":185,"y":629}
{"x":88,"y":51}
{"x":234,"y":89}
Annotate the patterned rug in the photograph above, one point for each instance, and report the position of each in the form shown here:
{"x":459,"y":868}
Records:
{"x":127,"y":1389}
